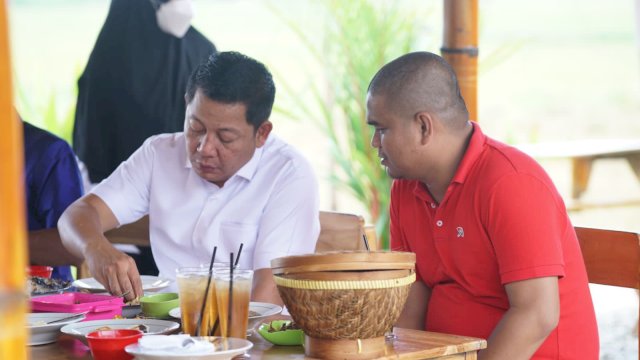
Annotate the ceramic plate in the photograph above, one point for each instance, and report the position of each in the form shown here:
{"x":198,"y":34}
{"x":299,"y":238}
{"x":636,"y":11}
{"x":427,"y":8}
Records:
{"x":42,"y":333}
{"x":226,"y":348}
{"x":175,"y":313}
{"x":155,"y":327}
{"x":149,"y":283}
{"x":260,"y":310}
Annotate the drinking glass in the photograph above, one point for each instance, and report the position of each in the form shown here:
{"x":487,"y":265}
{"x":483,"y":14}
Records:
{"x":192,"y":284}
{"x":233,"y":298}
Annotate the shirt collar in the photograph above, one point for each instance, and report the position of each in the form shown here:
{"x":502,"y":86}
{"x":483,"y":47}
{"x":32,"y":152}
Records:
{"x":247,"y":170}
{"x":471,"y":155}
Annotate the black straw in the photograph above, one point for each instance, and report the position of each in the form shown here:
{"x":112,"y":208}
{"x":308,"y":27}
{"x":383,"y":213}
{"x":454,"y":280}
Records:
{"x":229,"y":310}
{"x":238,"y":257}
{"x":366,"y":242}
{"x":206,"y":291}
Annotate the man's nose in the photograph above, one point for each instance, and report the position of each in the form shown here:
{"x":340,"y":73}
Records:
{"x":207,"y":144}
{"x":375,"y":139}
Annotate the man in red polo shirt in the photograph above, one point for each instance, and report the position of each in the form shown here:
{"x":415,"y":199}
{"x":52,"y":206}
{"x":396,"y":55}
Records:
{"x":497,"y":256}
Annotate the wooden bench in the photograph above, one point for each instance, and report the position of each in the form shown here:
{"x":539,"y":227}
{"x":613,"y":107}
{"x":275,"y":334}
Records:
{"x":582,"y":154}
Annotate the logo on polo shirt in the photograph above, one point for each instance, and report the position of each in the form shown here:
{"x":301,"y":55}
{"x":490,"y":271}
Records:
{"x":460,"y":231}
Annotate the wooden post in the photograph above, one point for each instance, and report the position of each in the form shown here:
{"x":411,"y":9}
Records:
{"x":13,"y":255}
{"x":460,"y":48}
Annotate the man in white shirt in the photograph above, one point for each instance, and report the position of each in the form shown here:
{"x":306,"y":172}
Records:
{"x":222,"y":182}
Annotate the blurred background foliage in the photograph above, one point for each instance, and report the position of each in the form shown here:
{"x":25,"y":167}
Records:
{"x":360,"y":36}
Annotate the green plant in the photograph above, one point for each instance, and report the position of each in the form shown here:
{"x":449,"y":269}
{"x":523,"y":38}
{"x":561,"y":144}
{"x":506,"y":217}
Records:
{"x":55,"y":114}
{"x":360,"y":36}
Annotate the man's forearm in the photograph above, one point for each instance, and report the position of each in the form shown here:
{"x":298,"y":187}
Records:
{"x":517,"y":336}
{"x":80,"y":227}
{"x":45,"y":248}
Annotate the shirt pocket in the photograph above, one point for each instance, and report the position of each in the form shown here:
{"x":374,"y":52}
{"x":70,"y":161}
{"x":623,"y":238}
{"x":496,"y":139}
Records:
{"x":233,"y":233}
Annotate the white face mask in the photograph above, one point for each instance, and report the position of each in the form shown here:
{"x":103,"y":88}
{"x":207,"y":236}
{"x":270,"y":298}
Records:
{"x":174,"y":17}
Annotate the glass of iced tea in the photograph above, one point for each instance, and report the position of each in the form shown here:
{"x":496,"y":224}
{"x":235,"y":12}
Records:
{"x":192,"y":284}
{"x":233,"y":297}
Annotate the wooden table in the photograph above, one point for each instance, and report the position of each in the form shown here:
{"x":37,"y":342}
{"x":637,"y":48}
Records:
{"x":582,"y":154}
{"x":409,"y":344}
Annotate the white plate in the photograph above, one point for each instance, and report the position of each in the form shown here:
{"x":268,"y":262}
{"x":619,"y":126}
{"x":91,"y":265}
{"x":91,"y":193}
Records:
{"x":156,"y":327}
{"x":149,"y":283}
{"x":44,"y":334}
{"x":226,"y":348}
{"x":175,"y":313}
{"x":263,"y":309}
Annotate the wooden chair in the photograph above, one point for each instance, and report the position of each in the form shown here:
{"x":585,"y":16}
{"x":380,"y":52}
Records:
{"x":341,"y":231}
{"x":611,"y":258}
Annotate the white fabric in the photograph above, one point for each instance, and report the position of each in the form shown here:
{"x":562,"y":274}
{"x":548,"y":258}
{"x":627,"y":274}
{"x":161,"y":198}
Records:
{"x":270,"y":205}
{"x":174,"y":17}
{"x":171,"y":344}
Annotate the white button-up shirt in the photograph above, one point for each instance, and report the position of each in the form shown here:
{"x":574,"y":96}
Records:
{"x":270,"y":205}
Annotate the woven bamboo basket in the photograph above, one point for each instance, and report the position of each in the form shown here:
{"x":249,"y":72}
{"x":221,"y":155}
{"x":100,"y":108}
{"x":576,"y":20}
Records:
{"x":354,"y":296}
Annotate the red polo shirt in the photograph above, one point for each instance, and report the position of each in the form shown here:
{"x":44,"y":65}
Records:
{"x":501,"y":220}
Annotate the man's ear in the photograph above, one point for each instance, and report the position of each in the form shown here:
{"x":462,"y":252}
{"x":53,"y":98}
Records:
{"x":424,"y":121}
{"x":263,"y":133}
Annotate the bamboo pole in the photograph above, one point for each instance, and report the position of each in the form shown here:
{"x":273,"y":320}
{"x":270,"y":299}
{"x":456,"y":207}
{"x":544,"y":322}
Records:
{"x":13,"y":255}
{"x":460,"y":48}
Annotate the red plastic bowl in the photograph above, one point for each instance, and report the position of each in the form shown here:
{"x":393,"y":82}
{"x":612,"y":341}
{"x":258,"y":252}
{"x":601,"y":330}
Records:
{"x":110,"y":344}
{"x":41,"y":271}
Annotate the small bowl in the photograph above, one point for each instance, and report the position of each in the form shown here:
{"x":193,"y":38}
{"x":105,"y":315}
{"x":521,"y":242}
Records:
{"x":286,"y":337}
{"x":40,"y":271}
{"x":110,"y":344}
{"x":159,"y":305}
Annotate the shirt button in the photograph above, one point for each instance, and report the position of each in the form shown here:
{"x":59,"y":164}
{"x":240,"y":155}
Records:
{"x":439,"y":223}
{"x":433,"y":205}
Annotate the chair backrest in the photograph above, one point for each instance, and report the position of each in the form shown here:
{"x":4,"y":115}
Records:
{"x":136,"y":233}
{"x":341,"y":231}
{"x":611,"y":258}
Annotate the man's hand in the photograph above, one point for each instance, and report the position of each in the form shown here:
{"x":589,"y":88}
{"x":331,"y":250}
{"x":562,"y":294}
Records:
{"x":82,"y":228}
{"x":115,"y":270}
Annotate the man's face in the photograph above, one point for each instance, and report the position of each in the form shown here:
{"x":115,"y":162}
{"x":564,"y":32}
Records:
{"x":219,"y":139}
{"x":392,"y":137}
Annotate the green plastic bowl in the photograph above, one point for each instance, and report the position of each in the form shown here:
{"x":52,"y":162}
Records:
{"x":159,"y":305}
{"x":286,"y":337}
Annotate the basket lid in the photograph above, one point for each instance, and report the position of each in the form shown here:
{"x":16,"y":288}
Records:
{"x":344,"y":261}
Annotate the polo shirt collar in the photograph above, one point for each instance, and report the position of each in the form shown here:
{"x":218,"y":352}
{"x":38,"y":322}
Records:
{"x":471,"y":155}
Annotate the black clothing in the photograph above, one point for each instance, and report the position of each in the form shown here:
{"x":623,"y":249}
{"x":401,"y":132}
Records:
{"x":133,"y":86}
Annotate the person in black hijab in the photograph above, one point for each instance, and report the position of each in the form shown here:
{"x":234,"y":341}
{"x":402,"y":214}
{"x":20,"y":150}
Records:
{"x":133,"y":85}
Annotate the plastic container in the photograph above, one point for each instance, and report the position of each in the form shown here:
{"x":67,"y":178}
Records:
{"x":40,"y":270}
{"x":110,"y":344}
{"x":99,"y":307}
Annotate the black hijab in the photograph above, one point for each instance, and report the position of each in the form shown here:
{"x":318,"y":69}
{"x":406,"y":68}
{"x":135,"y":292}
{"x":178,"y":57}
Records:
{"x":133,"y":86}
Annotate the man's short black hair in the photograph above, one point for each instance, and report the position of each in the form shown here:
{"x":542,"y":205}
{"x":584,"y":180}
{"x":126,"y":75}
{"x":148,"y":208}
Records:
{"x":231,"y":77}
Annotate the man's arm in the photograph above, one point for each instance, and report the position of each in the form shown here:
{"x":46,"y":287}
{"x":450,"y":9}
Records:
{"x":264,"y":288}
{"x":45,"y":248}
{"x":415,"y":309}
{"x":82,"y":228}
{"x":534,"y":311}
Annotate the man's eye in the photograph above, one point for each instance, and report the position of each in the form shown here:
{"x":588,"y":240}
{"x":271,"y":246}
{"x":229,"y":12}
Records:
{"x":196,"y":126}
{"x":226,"y":139}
